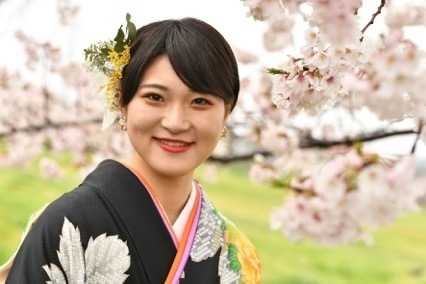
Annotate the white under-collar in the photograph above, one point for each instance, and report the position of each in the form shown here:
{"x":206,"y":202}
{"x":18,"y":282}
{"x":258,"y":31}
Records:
{"x":182,"y":219}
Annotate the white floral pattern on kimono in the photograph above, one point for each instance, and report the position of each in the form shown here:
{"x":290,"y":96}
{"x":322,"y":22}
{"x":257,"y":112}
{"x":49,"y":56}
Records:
{"x":105,"y":260}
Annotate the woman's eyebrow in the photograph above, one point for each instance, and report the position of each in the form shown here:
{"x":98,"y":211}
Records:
{"x":153,"y":85}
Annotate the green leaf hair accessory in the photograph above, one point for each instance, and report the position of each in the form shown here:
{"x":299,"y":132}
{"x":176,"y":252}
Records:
{"x":107,"y":59}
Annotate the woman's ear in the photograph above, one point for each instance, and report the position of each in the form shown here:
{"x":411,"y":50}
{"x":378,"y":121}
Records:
{"x":228,"y":108}
{"x":123,"y":111}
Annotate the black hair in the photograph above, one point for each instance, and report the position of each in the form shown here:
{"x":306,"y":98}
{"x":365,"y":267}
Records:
{"x":197,"y":52}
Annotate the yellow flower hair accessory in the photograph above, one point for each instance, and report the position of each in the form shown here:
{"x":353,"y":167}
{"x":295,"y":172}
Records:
{"x":107,"y":59}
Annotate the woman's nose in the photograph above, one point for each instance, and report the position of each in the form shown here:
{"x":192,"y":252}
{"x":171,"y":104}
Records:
{"x":175,"y":119}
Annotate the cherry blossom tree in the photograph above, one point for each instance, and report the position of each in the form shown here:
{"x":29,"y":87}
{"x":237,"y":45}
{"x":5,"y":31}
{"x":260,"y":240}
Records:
{"x":335,"y":83}
{"x":346,"y":86}
{"x":57,"y":114}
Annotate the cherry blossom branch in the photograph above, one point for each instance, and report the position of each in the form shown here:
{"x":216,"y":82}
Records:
{"x":50,"y":124}
{"x":419,"y":131}
{"x":46,"y":96}
{"x":233,"y":158}
{"x":310,"y":142}
{"x":373,"y":17}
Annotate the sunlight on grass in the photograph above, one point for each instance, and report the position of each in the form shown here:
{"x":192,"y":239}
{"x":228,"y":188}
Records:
{"x":22,"y":192}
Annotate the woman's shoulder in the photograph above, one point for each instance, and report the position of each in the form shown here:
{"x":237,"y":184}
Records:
{"x":84,"y":196}
{"x":82,"y":204}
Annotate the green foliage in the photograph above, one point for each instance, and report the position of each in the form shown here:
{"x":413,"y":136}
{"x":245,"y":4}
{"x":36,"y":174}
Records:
{"x":122,"y":39}
{"x":98,"y":54}
{"x":275,"y":71}
{"x":397,"y":257}
{"x":233,"y":251}
{"x":283,"y":183}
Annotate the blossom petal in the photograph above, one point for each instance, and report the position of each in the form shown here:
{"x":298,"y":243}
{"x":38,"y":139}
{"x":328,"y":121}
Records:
{"x":70,"y":253}
{"x":107,"y":259}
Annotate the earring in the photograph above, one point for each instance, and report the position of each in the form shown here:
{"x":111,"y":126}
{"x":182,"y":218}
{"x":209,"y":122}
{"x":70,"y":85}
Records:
{"x":122,"y":123}
{"x":223,"y":132}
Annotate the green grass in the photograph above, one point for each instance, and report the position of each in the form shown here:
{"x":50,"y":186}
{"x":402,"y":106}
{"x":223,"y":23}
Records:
{"x":398,"y":255}
{"x":22,"y":192}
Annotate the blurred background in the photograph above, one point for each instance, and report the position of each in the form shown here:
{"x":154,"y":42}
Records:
{"x":52,"y":119}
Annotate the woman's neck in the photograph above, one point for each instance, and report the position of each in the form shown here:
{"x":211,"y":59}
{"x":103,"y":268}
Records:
{"x":171,"y":191}
{"x":172,"y":197}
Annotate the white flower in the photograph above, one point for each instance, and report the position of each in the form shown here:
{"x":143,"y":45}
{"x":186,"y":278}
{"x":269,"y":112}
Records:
{"x":329,"y":187}
{"x":105,"y":261}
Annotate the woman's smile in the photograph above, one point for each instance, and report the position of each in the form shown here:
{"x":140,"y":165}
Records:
{"x":173,"y":145}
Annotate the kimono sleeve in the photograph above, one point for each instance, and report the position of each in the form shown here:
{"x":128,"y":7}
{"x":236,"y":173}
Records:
{"x":74,"y":240}
{"x":36,"y":249}
{"x":244,"y":255}
{"x":5,"y":268}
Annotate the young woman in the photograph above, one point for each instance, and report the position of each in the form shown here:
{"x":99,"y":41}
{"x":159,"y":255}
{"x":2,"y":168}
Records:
{"x":146,"y":220}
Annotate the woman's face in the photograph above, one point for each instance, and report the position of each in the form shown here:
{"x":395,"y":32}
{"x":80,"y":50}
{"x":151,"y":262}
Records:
{"x":172,"y":128}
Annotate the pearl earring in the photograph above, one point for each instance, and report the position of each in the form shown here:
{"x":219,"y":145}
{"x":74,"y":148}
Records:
{"x":122,"y":123}
{"x":223,"y":132}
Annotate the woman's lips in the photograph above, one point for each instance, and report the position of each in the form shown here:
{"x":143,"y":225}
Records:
{"x":173,"y":145}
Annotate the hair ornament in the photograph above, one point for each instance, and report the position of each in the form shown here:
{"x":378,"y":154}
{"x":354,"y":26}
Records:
{"x":106,"y":59}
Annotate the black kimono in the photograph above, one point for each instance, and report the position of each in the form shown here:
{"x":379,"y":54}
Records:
{"x":110,"y":230}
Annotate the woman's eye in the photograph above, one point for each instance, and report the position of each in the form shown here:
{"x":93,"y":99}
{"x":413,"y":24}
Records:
{"x":200,"y":101}
{"x":154,"y":97}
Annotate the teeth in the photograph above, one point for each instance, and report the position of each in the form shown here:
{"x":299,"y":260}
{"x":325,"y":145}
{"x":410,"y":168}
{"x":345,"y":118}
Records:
{"x":174,"y":144}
